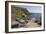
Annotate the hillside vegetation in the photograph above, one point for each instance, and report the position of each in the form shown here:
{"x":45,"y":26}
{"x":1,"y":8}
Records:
{"x":20,"y":12}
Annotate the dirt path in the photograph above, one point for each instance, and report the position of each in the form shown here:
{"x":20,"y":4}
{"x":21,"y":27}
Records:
{"x":30,"y":24}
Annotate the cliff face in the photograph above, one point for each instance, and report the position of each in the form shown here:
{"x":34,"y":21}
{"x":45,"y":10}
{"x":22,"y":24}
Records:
{"x":19,"y":12}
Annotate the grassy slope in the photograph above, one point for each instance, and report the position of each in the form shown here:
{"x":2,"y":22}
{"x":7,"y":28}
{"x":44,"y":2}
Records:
{"x":19,"y":12}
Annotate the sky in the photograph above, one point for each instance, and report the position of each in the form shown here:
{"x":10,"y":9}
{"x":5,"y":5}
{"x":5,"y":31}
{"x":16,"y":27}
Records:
{"x":32,"y":9}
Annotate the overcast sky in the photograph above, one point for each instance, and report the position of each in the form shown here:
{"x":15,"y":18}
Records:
{"x":33,"y":9}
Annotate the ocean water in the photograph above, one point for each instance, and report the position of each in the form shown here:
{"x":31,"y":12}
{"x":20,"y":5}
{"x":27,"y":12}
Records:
{"x":35,"y":15}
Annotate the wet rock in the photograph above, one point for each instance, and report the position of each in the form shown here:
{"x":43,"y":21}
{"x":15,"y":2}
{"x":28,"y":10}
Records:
{"x":15,"y":26}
